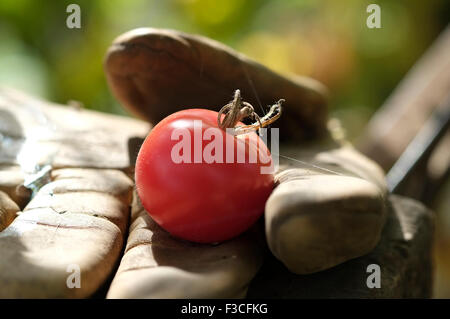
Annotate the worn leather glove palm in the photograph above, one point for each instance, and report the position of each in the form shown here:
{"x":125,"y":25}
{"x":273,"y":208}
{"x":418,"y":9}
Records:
{"x":319,"y":215}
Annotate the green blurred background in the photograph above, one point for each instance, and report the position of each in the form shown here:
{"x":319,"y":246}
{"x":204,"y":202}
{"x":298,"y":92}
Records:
{"x":324,"y":39}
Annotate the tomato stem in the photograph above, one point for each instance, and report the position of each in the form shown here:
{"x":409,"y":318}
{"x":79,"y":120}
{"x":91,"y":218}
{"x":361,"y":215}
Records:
{"x":237,"y":110}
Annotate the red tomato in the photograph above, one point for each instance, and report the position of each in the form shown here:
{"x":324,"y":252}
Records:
{"x":201,"y":202}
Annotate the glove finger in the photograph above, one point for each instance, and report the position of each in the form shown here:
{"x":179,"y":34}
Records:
{"x":77,"y":220}
{"x":402,"y":255}
{"x":68,"y":238}
{"x":156,"y":72}
{"x":46,"y":133}
{"x":326,"y":212}
{"x":156,"y":265}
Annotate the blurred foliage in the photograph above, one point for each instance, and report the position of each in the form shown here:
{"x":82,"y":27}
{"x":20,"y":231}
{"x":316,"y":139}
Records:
{"x":324,"y":39}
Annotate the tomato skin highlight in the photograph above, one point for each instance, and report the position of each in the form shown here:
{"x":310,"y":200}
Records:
{"x":201,"y":202}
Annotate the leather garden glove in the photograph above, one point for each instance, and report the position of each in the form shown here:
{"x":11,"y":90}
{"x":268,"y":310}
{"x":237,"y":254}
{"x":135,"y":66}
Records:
{"x":65,"y":193}
{"x":329,"y":203}
{"x":64,"y":196}
{"x":75,"y":167}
